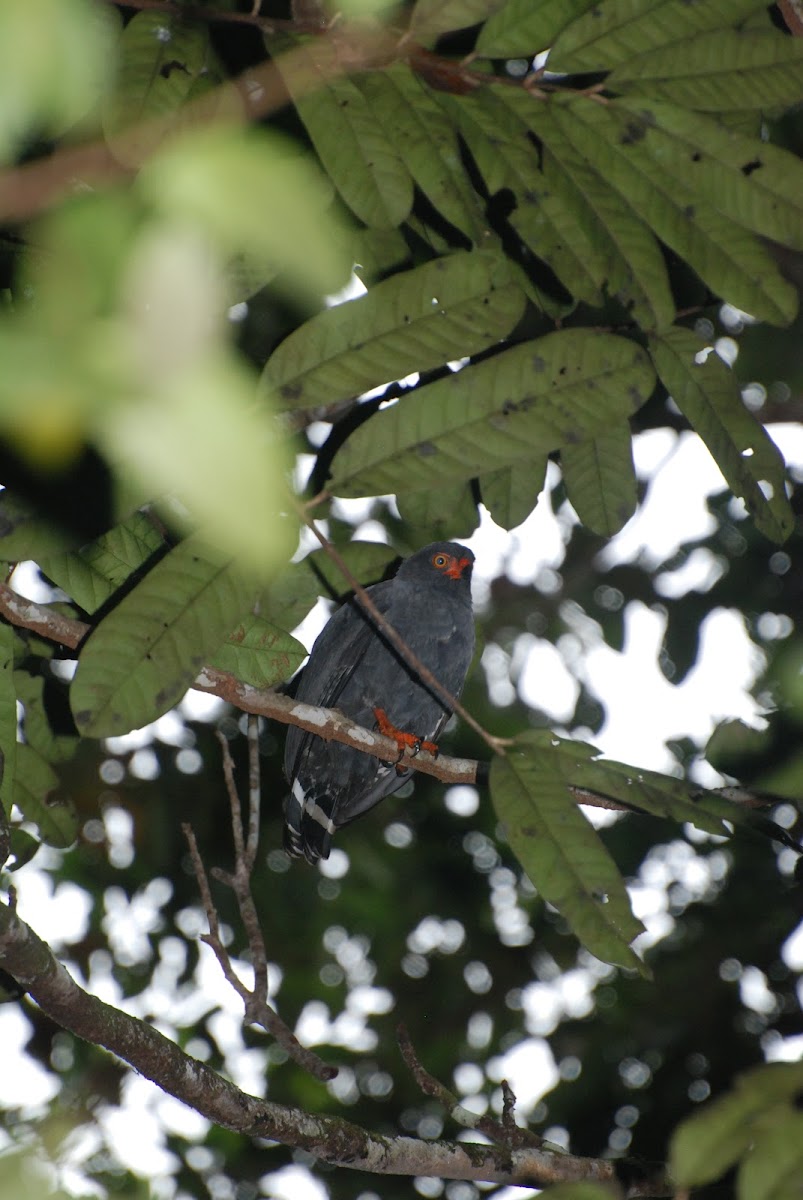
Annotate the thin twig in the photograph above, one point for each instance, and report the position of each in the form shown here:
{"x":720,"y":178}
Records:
{"x":411,"y":659}
{"x":504,"y":1133}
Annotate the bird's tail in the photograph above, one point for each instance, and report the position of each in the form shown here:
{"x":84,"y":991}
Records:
{"x":308,"y":824}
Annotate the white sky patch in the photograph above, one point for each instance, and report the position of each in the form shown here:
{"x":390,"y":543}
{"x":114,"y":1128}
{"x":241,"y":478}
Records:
{"x":530,"y":1070}
{"x":292,"y":1183}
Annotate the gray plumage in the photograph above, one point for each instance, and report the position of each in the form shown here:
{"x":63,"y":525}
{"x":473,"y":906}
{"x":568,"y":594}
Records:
{"x":355,"y":669}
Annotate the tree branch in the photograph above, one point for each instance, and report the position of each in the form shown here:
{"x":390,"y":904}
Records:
{"x":30,"y":961}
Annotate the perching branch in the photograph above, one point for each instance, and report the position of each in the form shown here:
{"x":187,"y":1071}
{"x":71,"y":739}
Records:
{"x":29,"y":960}
{"x":255,"y":999}
{"x":327,"y":723}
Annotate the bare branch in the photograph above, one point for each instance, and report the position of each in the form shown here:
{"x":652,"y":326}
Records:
{"x":255,"y":998}
{"x":30,"y":961}
{"x":507,"y":1133}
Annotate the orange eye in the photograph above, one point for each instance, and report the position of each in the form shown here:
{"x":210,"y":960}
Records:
{"x":439,"y":560}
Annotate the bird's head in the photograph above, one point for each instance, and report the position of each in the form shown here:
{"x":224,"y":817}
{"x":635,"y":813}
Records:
{"x":448,"y":561}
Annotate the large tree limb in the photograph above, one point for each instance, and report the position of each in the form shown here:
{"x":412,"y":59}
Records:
{"x":330,"y":1139}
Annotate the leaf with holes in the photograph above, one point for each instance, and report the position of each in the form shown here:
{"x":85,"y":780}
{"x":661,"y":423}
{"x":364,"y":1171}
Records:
{"x":259,"y":653}
{"x":619,"y":30}
{"x":726,"y":256}
{"x":722,"y":71}
{"x":601,"y":480}
{"x":530,"y":399}
{"x":559,"y":849}
{"x":455,"y":306}
{"x":707,"y":394}
{"x":145,"y":654}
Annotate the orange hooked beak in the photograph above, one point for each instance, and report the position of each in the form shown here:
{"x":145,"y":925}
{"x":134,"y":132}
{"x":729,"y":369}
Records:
{"x":457,"y":567}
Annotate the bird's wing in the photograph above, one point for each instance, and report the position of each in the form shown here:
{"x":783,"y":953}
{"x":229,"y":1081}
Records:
{"x":337,"y":652}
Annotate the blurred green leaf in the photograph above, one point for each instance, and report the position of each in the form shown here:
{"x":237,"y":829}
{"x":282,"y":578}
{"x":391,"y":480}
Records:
{"x":430,"y":18}
{"x":510,"y":493}
{"x":441,"y":514}
{"x":708,"y":1143}
{"x":145,"y":654}
{"x":24,"y":535}
{"x":527,"y":400}
{"x":39,"y":733}
{"x":8,"y":722}
{"x":419,"y":319}
{"x":773,"y":1166}
{"x":560,"y":851}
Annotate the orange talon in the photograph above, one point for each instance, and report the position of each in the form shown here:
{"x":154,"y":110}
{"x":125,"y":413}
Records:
{"x":405,"y":741}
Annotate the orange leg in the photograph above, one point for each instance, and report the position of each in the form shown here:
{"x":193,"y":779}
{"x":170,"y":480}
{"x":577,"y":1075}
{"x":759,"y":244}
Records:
{"x":405,"y":741}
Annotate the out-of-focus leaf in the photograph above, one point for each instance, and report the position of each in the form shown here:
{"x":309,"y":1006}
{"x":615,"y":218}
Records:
{"x":454,"y":306}
{"x":8,"y":722}
{"x":259,"y":653}
{"x":612,"y":138}
{"x":364,"y":164}
{"x":442,"y":514}
{"x":530,"y":399}
{"x":145,"y":654}
{"x":293,"y":593}
{"x":619,"y":30}
{"x":55,"y":60}
{"x":773,"y":1166}
{"x":601,"y":480}
{"x":523,"y":28}
{"x":558,"y":848}
{"x":23,"y":847}
{"x":92,"y":574}
{"x":510,"y":493}
{"x":161,"y":60}
{"x":34,"y":781}
{"x":707,"y":1144}
{"x":427,"y":142}
{"x":433,"y":17}
{"x":724,"y":70}
{"x":708,"y":395}
{"x":24,"y":535}
{"x":257,"y":194}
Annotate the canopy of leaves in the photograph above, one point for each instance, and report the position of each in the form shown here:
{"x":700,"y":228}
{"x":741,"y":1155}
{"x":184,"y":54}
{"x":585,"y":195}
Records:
{"x":404,"y":251}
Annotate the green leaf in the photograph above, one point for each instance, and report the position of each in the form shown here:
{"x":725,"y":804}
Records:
{"x":364,"y":164}
{"x":708,"y":395}
{"x":259,"y":653}
{"x":558,"y":848}
{"x":161,"y":59}
{"x":618,"y":30}
{"x":92,"y":574}
{"x":433,"y":17}
{"x":145,"y":654}
{"x":707,"y":1144}
{"x":549,"y":213}
{"x":23,"y":847}
{"x":725,"y":70}
{"x":39,"y":733}
{"x":728,"y":258}
{"x":440,"y":514}
{"x":531,"y":399}
{"x":510,"y":494}
{"x":750,"y":181}
{"x":293,"y":593}
{"x":34,"y":781}
{"x":8,"y":721}
{"x":601,"y":480}
{"x":444,"y":310}
{"x":773,"y":1166}
{"x":24,"y":535}
{"x":523,"y":28}
{"x":427,"y":142}
{"x":633,"y":269}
